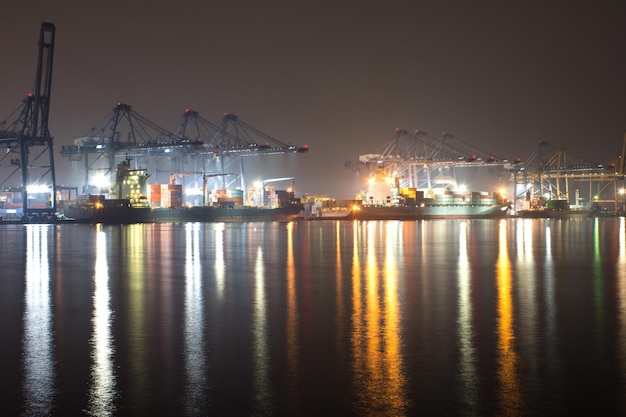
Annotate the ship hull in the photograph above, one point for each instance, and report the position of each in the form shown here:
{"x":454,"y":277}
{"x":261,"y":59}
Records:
{"x":557,"y":214}
{"x":226,"y":214}
{"x":128,"y":215}
{"x":426,"y":212}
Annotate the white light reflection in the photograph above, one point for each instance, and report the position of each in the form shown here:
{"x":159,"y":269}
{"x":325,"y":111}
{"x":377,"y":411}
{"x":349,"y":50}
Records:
{"x":102,"y":392}
{"x":39,"y":371}
{"x":220,"y":264}
{"x":467,"y":371}
{"x":195,"y":384}
{"x":527,"y":336}
{"x":262,"y":382}
{"x":553,"y":359}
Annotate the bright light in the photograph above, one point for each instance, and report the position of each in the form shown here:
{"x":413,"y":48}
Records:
{"x":193,"y":191}
{"x":258,"y":185}
{"x":621,"y":191}
{"x":37,"y":188}
{"x":502,"y":191}
{"x":101,"y":181}
{"x":462,"y":188}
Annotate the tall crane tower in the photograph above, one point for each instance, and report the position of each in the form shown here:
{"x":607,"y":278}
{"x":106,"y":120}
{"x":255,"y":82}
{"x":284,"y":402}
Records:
{"x":29,"y":137}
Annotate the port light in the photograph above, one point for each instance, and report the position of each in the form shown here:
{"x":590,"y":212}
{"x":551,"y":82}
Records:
{"x":37,"y":188}
{"x":101,"y":181}
{"x":193,"y":191}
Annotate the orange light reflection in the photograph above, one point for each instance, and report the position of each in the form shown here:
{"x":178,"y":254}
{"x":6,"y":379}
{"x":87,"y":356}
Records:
{"x":376,"y":338}
{"x":509,"y":395}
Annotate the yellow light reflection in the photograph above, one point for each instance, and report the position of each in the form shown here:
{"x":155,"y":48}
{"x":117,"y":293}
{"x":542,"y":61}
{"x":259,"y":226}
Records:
{"x":376,"y":338}
{"x":372,"y":319}
{"x":137,"y":334}
{"x":621,"y":286}
{"x":38,"y":348}
{"x":194,"y":322}
{"x":393,"y":381}
{"x":509,"y":395}
{"x":339,"y":286}
{"x":358,"y":361}
{"x":262,"y":383}
{"x":292,"y":315}
{"x":467,"y":374}
{"x":103,"y":389}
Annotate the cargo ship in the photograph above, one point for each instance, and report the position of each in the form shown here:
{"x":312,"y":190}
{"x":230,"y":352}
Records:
{"x":122,"y":212}
{"x":385,"y":200}
{"x":541,"y":208}
{"x":163,"y":203}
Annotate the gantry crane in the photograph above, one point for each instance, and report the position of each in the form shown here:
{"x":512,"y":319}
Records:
{"x":194,"y":145}
{"x":29,"y":137}
{"x":417,"y":158}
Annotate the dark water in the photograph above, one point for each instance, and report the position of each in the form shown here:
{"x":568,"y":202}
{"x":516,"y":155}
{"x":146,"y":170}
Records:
{"x":475,"y":318}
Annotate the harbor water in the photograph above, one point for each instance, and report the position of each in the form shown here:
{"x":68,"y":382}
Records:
{"x":511,"y":317}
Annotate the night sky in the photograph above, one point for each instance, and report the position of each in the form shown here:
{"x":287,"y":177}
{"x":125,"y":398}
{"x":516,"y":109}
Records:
{"x":339,"y":76}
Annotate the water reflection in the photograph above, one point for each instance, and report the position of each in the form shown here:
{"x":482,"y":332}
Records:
{"x":292,"y":318}
{"x":510,"y":401}
{"x":526,"y":291}
{"x":598,"y":284}
{"x":39,"y":373}
{"x":392,"y":362}
{"x":467,"y":365}
{"x":103,"y":380}
{"x":339,"y":284}
{"x":220,"y":264}
{"x":376,"y":337}
{"x":262,"y":385}
{"x":195,"y":384}
{"x":552,"y":356}
{"x":621,"y":292}
{"x":137,"y":328}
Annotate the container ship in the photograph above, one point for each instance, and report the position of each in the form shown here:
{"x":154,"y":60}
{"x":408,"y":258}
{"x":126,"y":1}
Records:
{"x":164,"y":204}
{"x":385,"y":200}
